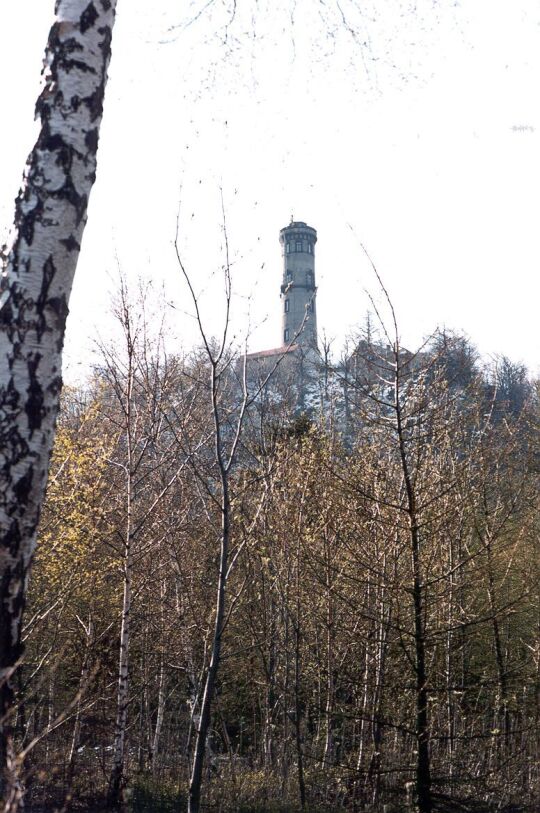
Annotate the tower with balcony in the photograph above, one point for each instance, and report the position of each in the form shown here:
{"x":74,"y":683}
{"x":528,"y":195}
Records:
{"x":298,"y":290}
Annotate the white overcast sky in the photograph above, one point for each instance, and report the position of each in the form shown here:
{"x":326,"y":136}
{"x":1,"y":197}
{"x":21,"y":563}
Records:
{"x":412,"y":129}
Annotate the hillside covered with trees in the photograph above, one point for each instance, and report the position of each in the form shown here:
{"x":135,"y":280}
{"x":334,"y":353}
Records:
{"x":372,"y":629}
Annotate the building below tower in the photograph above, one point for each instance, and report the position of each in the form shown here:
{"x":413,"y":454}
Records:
{"x":292,"y":366}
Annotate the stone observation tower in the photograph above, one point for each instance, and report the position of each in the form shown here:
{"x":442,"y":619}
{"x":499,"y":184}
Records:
{"x":298,"y":289}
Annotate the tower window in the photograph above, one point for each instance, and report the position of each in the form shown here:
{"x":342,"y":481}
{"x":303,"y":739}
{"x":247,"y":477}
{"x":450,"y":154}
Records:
{"x":298,"y":245}
{"x":289,"y":276}
{"x":287,"y":305}
{"x":286,"y":335}
{"x":288,"y":248}
{"x":310,"y":248}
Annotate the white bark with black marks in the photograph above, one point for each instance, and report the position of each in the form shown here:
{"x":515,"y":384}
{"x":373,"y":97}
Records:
{"x":39,"y":265}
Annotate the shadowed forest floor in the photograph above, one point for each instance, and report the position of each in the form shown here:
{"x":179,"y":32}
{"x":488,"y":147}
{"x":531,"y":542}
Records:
{"x":144,"y":801}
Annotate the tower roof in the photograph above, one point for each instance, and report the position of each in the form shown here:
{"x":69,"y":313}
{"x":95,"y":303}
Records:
{"x":296,"y":226}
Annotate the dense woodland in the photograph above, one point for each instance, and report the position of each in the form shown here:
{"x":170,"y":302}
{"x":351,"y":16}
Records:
{"x":352,"y":605}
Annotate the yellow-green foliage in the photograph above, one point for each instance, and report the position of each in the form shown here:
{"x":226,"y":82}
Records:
{"x":73,"y":559}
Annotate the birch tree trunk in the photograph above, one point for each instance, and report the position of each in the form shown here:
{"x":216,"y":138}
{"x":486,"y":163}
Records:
{"x":160,"y":713}
{"x":125,"y":395}
{"x":122,"y":697}
{"x":50,"y":215}
{"x":159,"y":716}
{"x":76,"y":736}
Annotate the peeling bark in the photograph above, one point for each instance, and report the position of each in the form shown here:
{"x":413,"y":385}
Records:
{"x":50,"y":215}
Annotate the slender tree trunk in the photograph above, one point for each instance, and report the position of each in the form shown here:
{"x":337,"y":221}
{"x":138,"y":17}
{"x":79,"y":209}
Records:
{"x":161,"y":684}
{"x":270,"y":698}
{"x":50,"y":715}
{"x":297,"y":704}
{"x":330,"y":688}
{"x":450,"y":676}
{"x":116,"y":779}
{"x":376,"y":727}
{"x":211,"y":675}
{"x":382,"y":627}
{"x":50,"y":216}
{"x":363,"y":709}
{"x":423,"y":769}
{"x":286,"y":625}
{"x":502,"y":715}
{"x":298,"y":718}
{"x":213,"y":668}
{"x":76,"y":736}
{"x":160,"y":714}
{"x":122,"y":698}
{"x":365,"y":693}
{"x":143,"y":744}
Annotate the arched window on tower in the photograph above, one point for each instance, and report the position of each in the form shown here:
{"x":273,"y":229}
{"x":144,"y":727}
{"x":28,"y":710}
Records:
{"x":286,"y":335}
{"x":299,"y":245}
{"x":287,"y":305}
